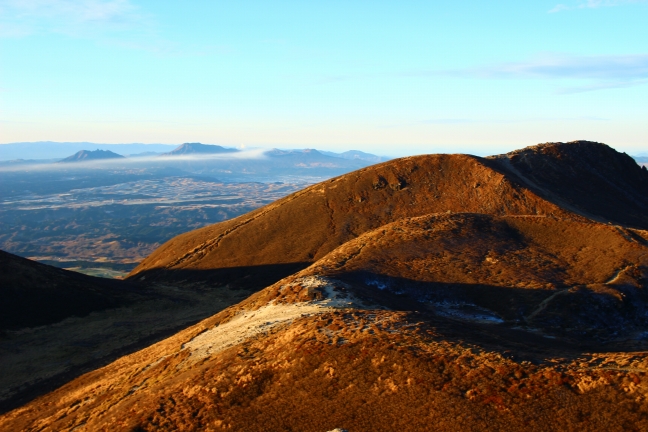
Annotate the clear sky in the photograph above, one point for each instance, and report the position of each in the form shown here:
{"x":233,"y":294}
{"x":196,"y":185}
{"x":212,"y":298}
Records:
{"x":388,"y":77}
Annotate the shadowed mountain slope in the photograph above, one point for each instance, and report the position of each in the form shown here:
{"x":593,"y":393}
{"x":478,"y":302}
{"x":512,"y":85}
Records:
{"x":57,"y":324}
{"x":428,"y":323}
{"x":35,"y":294}
{"x":305,"y":226}
{"x":583,"y":176}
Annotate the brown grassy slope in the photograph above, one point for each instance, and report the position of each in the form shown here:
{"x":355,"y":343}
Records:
{"x":578,"y":174}
{"x":569,"y":277}
{"x":441,"y":368}
{"x":305,"y":226}
{"x":358,"y":370}
{"x":35,"y":294}
{"x":371,"y":369}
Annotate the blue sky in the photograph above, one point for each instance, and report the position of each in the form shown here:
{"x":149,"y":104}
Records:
{"x":392,"y":78}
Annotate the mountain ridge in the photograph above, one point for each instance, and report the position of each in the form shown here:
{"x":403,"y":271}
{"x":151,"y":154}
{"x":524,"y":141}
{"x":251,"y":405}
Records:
{"x":308,"y":224}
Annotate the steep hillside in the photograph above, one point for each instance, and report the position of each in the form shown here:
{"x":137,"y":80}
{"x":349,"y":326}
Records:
{"x":35,"y":294}
{"x":303,"y":227}
{"x":270,"y":243}
{"x":583,"y":176}
{"x":442,"y":322}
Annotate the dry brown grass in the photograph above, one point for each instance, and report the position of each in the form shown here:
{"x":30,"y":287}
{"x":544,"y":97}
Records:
{"x":361,"y":371}
{"x":575,"y":278}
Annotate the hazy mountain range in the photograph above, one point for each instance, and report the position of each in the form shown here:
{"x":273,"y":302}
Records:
{"x":60,"y":150}
{"x":31,"y":151}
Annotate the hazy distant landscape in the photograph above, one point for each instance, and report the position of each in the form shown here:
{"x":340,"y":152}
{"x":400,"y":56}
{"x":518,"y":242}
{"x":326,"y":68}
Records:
{"x":104,"y":216}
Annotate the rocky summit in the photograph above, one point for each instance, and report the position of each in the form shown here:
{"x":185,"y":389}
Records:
{"x":438,"y":292}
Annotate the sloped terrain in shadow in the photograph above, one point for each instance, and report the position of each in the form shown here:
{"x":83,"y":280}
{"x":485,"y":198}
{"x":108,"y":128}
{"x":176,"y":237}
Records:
{"x":100,"y":320}
{"x":35,"y":294}
{"x":583,"y":176}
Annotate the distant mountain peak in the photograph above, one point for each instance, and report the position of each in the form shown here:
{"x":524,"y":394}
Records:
{"x":87,"y":155}
{"x":356,"y":155}
{"x":293,"y":152}
{"x":198,"y":148}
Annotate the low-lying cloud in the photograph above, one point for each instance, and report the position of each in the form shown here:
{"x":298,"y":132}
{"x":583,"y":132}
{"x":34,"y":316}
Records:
{"x":242,"y":154}
{"x":133,"y":161}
